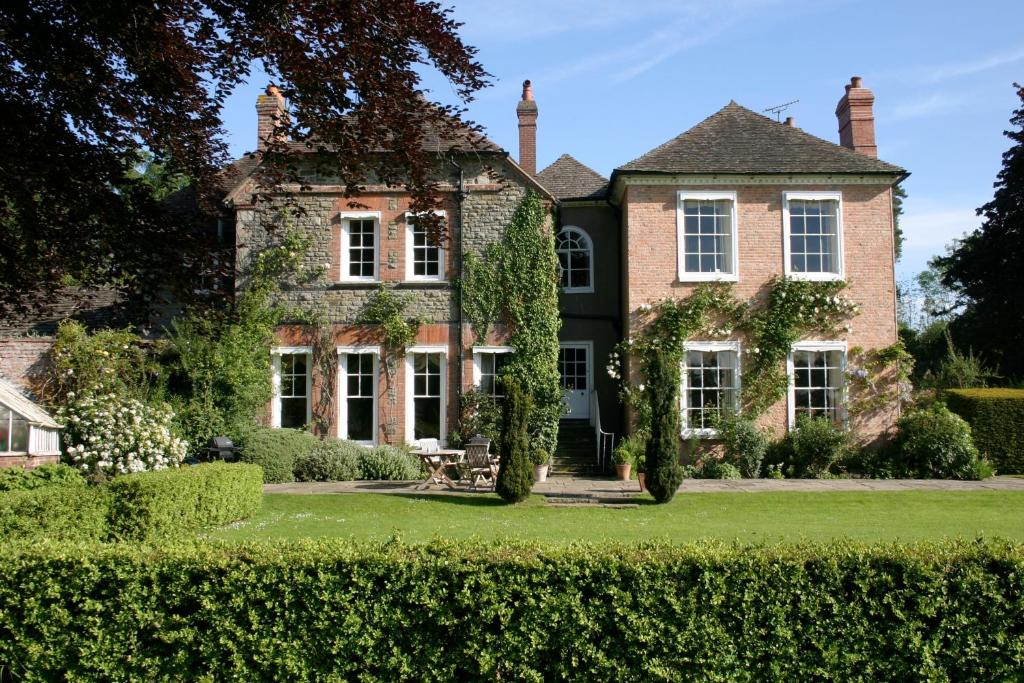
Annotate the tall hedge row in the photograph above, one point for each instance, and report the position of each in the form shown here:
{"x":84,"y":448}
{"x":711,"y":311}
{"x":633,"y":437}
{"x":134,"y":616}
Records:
{"x":996,"y":417}
{"x":450,"y":611}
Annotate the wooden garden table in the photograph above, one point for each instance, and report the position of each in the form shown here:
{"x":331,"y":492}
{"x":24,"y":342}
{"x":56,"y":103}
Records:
{"x":437,"y":463}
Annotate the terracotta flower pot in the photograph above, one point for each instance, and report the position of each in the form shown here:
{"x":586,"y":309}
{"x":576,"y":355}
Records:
{"x":640,"y":478}
{"x":622,"y":471}
{"x":540,"y":473}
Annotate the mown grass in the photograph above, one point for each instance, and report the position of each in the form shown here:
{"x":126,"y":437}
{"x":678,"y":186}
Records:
{"x":747,"y":517}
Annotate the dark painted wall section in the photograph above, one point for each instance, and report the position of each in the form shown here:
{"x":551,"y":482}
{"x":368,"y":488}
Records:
{"x":595,"y":317}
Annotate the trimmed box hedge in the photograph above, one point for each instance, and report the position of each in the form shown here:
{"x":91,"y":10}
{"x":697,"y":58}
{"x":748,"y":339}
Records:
{"x":63,"y":513}
{"x":155,"y":505}
{"x":455,"y":611}
{"x":996,"y":417}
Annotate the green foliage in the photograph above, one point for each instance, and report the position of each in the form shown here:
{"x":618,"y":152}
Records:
{"x":984,"y":268}
{"x":996,"y":417}
{"x":899,"y":193}
{"x":745,"y":444}
{"x":478,"y":414}
{"x":632,"y":449}
{"x":712,"y":468}
{"x":515,"y":473}
{"x":153,"y":506}
{"x":813,"y":448}
{"x":662,"y":454}
{"x":959,"y":371}
{"x":275,"y":450}
{"x":218,"y":363}
{"x":330,"y":460}
{"x":58,"y":513}
{"x":517,"y":281}
{"x":528,"y":272}
{"x":873,"y":374}
{"x":481,"y":290}
{"x":336,"y":610}
{"x":388,"y":463}
{"x":44,"y":476}
{"x":387,"y":309}
{"x":106,"y":361}
{"x":936,"y":443}
{"x":793,"y":309}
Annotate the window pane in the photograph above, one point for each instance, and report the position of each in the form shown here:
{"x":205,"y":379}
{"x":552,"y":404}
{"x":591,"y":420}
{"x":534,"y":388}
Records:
{"x":427,"y":418}
{"x":360,"y":419}
{"x":293,"y":412}
{"x":19,"y":434}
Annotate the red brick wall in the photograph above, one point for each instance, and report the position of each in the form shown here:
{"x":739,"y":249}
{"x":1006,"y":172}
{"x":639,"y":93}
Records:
{"x":392,"y":405}
{"x":23,"y":359}
{"x":649,"y":226}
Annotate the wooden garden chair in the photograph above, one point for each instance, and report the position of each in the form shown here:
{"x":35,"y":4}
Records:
{"x":478,"y":465}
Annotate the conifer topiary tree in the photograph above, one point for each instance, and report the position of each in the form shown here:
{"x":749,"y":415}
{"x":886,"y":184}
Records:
{"x":515,"y":474}
{"x":664,"y":473}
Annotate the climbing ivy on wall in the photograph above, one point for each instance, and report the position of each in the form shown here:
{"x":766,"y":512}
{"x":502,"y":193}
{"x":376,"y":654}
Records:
{"x":786,"y":311}
{"x":516,"y":282}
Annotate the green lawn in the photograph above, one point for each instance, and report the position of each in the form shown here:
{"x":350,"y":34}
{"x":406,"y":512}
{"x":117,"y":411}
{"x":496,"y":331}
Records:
{"x":748,"y":517}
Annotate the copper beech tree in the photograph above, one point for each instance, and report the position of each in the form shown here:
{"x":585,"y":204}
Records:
{"x":88,"y":87}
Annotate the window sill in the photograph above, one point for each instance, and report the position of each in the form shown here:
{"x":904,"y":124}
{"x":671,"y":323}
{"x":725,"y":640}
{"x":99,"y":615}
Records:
{"x":816,"y":277}
{"x":419,"y":284}
{"x":685,"y":278}
{"x":699,"y":433}
{"x":577,"y":290}
{"x":355,"y":284}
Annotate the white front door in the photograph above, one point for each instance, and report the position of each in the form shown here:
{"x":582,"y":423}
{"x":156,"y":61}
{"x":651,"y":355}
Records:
{"x":574,"y":366}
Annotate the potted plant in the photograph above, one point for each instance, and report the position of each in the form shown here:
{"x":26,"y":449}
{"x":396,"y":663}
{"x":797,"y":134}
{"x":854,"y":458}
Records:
{"x":641,"y":470}
{"x":541,"y":462}
{"x":623,"y":461}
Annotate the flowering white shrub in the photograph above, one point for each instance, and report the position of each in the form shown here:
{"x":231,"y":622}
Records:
{"x":113,"y":434}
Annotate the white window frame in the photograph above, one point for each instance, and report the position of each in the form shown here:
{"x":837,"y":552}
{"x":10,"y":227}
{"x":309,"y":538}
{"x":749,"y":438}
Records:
{"x":410,"y":274}
{"x":478,"y":351}
{"x":817,"y":346}
{"x":590,"y":260}
{"x":734,"y":274}
{"x":410,"y":409}
{"x":342,"y":429}
{"x":344,"y":217}
{"x":787,"y":246}
{"x":708,"y":346}
{"x":275,"y":406}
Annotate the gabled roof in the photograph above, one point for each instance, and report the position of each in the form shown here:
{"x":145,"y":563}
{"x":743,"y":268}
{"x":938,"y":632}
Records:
{"x":738,"y":140}
{"x":567,"y":178}
{"x":11,"y":397}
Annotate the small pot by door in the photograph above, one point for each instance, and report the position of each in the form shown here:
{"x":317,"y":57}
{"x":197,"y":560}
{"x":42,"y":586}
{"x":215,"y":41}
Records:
{"x":575,"y":366}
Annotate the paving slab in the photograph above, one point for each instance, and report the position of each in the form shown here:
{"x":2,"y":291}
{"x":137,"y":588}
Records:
{"x":600,"y":487}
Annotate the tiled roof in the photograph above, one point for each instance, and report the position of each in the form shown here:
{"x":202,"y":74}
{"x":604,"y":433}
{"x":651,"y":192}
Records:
{"x":738,"y":140}
{"x":567,"y":178}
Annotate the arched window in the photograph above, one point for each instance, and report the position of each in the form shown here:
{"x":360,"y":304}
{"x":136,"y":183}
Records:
{"x":576,"y":258}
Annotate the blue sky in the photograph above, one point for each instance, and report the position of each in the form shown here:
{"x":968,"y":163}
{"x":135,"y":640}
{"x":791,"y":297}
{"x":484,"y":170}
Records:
{"x":614,"y":79}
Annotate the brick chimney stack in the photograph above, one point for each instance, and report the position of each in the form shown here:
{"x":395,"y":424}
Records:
{"x":526,"y":110}
{"x":856,"y":115}
{"x":270,"y":112}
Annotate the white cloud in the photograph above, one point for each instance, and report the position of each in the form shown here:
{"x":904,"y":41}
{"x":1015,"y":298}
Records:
{"x":967,"y":68}
{"x":930,"y":105}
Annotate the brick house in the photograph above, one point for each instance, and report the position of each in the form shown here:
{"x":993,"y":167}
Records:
{"x":738,"y":198}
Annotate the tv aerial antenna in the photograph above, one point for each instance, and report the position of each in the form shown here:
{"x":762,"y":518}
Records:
{"x":779,"y":108}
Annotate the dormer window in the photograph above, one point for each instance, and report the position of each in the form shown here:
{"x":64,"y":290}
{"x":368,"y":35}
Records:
{"x":706,"y":225}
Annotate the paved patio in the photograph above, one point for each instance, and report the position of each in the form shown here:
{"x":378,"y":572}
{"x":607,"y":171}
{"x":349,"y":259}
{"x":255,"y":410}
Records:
{"x":610,"y":488}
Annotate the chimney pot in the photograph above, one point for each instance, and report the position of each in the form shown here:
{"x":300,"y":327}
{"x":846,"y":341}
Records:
{"x":526,"y":110}
{"x":791,"y":122}
{"x":856,"y":116}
